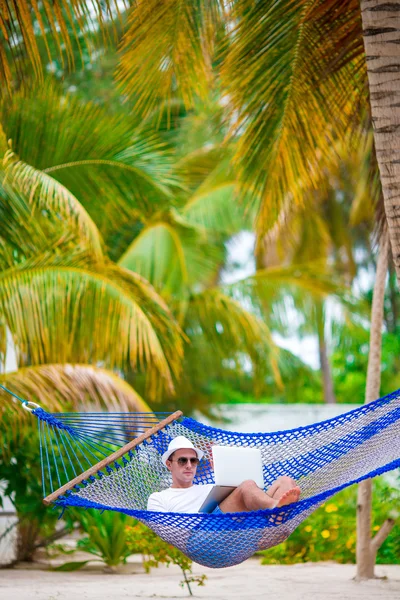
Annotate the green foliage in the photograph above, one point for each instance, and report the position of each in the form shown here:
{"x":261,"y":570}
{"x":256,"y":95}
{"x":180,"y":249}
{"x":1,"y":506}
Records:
{"x":72,"y":566}
{"x":106,"y":535}
{"x":21,"y":481}
{"x":155,"y":552}
{"x":330,"y":532}
{"x":349,"y":365}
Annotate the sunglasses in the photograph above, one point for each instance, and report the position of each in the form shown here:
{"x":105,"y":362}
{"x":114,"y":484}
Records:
{"x":182,"y":461}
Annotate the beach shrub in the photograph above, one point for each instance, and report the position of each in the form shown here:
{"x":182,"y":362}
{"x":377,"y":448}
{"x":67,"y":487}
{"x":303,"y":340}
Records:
{"x":106,"y":538}
{"x":330,"y":532}
{"x":155,"y":552}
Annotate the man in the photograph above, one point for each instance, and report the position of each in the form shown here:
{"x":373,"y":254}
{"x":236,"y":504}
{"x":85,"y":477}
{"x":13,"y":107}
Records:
{"x":182,"y":458}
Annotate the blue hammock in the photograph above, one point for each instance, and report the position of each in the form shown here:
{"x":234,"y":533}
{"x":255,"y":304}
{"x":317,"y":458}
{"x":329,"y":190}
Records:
{"x":105,"y":470}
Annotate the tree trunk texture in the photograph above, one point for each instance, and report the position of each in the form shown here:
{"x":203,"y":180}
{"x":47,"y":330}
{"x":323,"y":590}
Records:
{"x":381,"y":32}
{"x":327,"y":380}
{"x":366,"y":546}
{"x":393,"y":299}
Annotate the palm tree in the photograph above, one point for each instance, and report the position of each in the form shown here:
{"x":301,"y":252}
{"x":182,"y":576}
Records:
{"x":74,"y":320}
{"x":169,"y":204}
{"x":57,"y":286}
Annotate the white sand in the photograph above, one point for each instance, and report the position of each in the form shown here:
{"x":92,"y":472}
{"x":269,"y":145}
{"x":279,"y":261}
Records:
{"x":322,"y":581}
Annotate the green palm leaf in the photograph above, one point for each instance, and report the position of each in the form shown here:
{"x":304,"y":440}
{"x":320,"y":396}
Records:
{"x":69,"y":312}
{"x":46,"y":194}
{"x":24,"y":237}
{"x":278,"y":291}
{"x":226,"y":324}
{"x":109,"y":163}
{"x":218,"y":209}
{"x":224,"y":331}
{"x":174,"y":258}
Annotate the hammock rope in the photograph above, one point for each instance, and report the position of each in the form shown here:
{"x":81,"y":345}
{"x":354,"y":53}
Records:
{"x":112,"y":461}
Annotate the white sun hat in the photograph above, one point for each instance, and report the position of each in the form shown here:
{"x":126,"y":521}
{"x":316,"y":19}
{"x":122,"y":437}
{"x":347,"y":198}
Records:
{"x":179,"y":443}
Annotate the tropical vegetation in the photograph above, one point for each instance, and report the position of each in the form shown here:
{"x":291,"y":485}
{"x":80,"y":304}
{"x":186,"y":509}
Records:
{"x":138,"y":143}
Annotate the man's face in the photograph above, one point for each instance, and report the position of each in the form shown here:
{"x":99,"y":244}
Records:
{"x":182,"y":474}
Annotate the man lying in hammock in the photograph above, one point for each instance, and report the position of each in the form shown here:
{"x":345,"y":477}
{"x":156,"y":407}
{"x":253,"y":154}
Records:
{"x":182,"y":458}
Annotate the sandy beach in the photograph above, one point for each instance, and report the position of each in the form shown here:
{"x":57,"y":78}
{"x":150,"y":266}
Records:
{"x":321,"y":581}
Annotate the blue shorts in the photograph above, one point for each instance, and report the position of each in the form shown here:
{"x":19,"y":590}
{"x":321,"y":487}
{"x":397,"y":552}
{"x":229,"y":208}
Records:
{"x":217,"y":511}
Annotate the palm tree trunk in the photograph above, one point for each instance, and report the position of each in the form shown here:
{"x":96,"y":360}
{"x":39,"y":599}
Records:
{"x":367,"y":547}
{"x":393,"y":299}
{"x":381,"y":32}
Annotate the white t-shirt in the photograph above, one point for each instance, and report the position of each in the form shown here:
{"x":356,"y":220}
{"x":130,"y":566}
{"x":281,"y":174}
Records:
{"x":179,"y":500}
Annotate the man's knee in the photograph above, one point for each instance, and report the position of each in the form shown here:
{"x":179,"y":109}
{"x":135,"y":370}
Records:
{"x":286,"y":480}
{"x":248,"y":486}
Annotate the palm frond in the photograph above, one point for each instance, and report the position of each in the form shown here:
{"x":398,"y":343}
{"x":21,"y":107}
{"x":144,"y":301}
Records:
{"x":47,"y":194}
{"x":216,"y":203}
{"x":199,"y":164}
{"x":60,"y":388}
{"x":23,"y":237}
{"x":368,"y":191}
{"x":63,"y":387}
{"x":61,"y":311}
{"x":218,"y":210}
{"x":299,"y":235}
{"x":229,"y":329}
{"x":276,"y":77}
{"x":94,"y":155}
{"x":279,"y":64}
{"x":59,"y":26}
{"x":168,"y":50}
{"x":279,"y":291}
{"x":173,"y":257}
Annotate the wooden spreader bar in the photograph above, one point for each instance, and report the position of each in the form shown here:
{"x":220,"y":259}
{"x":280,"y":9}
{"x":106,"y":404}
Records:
{"x":113,"y":457}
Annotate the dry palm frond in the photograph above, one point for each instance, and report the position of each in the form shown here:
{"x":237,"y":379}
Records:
{"x":59,"y":388}
{"x":168,"y":49}
{"x":279,"y":84}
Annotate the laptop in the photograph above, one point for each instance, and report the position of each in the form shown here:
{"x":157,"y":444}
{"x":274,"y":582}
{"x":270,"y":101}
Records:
{"x":232,"y":466}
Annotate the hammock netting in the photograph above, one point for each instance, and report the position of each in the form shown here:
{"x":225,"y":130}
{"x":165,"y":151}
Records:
{"x":323,"y":458}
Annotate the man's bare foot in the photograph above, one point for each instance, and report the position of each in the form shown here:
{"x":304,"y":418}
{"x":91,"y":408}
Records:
{"x":289,"y":497}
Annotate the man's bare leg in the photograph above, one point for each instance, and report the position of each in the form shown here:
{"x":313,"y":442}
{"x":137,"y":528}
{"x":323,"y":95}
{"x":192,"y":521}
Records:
{"x":248,"y":496}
